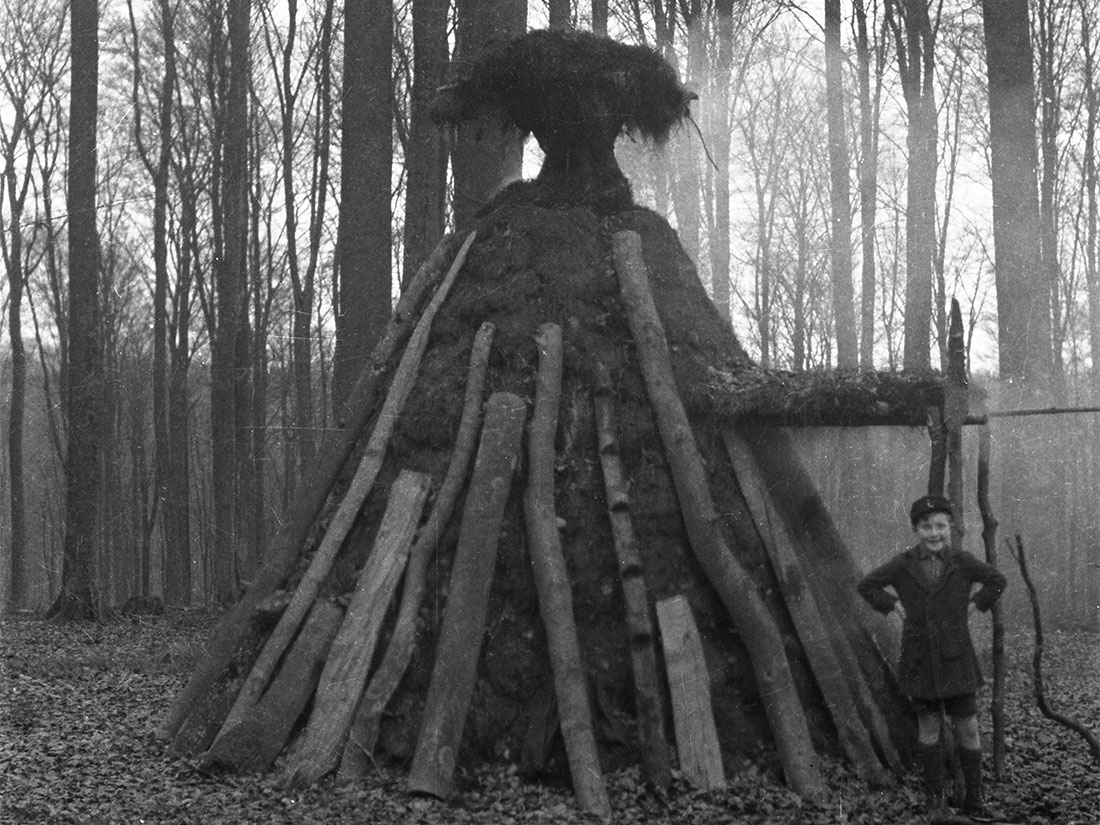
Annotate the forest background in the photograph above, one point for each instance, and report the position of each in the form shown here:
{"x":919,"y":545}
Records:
{"x":209,"y":205}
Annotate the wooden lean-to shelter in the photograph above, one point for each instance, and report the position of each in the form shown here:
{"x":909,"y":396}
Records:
{"x":557,"y":502}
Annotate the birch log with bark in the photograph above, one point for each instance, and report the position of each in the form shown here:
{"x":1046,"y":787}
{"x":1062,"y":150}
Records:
{"x":639,"y":622}
{"x":369,"y":466}
{"x":552,"y":583}
{"x":364,"y":731}
{"x":733,"y":585}
{"x":349,"y":660}
{"x":462,"y":629}
{"x":282,"y":555}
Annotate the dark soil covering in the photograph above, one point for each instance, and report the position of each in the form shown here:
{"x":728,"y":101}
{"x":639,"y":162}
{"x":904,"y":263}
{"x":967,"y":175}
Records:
{"x":80,"y":702}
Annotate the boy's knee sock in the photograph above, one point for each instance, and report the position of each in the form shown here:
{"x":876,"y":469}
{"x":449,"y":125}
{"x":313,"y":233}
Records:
{"x":970,"y":760}
{"x":930,"y":763}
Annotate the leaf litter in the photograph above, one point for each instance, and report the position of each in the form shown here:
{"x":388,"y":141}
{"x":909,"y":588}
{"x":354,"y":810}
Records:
{"x":79,"y":704}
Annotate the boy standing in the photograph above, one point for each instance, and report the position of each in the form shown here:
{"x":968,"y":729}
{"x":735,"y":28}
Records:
{"x":938,"y":668}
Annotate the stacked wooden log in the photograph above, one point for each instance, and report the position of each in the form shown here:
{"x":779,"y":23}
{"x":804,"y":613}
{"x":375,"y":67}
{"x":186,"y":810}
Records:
{"x":244,"y":703}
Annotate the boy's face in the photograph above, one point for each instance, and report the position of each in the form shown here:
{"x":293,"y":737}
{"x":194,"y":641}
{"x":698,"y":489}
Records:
{"x":934,"y":532}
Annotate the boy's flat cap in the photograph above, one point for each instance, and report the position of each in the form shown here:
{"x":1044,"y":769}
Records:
{"x":929,"y":504}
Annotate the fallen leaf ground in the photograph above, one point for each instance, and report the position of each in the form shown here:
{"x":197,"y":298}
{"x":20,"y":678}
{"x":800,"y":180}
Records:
{"x":79,"y":704}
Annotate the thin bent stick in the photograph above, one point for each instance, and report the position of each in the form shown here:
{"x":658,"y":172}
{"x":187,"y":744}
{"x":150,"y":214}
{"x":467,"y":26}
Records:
{"x":1037,"y":658}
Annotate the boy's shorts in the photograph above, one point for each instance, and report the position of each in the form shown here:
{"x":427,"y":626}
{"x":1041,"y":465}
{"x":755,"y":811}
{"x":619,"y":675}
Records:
{"x":965,"y":704}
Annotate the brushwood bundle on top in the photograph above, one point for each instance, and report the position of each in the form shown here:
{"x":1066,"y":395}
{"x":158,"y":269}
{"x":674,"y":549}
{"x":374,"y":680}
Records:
{"x":576,"y":93}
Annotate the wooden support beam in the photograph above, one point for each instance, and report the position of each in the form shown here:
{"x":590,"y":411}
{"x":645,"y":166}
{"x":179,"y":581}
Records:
{"x":349,"y":660}
{"x":689,"y":689}
{"x":552,"y":583}
{"x":639,"y":623}
{"x":733,"y":585}
{"x":462,"y":630}
{"x":364,"y":730}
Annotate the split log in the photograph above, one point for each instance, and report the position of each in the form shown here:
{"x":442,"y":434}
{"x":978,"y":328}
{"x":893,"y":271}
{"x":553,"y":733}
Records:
{"x":282,"y":555}
{"x":989,"y":541}
{"x":462,"y":631}
{"x":349,"y":660}
{"x":733,"y":585}
{"x":639,"y":624}
{"x":364,"y":731}
{"x":830,"y":658}
{"x":348,"y":511}
{"x":254,"y":742}
{"x":689,"y":688}
{"x":552,"y":583}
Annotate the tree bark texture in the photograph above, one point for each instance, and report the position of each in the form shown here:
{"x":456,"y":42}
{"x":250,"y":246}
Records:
{"x":552,"y":583}
{"x":399,"y":651}
{"x":689,"y":688}
{"x":1023,"y":300}
{"x":284,"y":551}
{"x":349,"y":660}
{"x":79,"y":596}
{"x":364,"y":239}
{"x":484,"y":157}
{"x":840,"y":203}
{"x":229,"y":414}
{"x":724,"y":573}
{"x":462,"y":629}
{"x":643,"y":653}
{"x":426,"y":164}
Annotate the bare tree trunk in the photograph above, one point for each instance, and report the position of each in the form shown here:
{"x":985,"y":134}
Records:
{"x":868,"y":184}
{"x":483,"y":158}
{"x":426,"y":164}
{"x":80,"y":597}
{"x":1023,"y":301}
{"x":840,"y":236}
{"x":560,"y":14}
{"x":228,"y":368}
{"x":914,"y":38}
{"x":366,"y":146}
{"x":1091,"y":187}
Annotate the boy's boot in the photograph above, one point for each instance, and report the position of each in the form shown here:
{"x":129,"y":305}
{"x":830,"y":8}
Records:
{"x":973,"y":805}
{"x":933,"y":777}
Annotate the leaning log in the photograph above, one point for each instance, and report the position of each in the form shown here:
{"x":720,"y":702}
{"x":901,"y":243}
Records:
{"x":689,"y":687}
{"x":462,"y":631}
{"x":348,"y":511}
{"x":364,"y":730}
{"x":733,"y":585}
{"x":283,"y":553}
{"x":831,"y":664}
{"x":552,"y":583}
{"x":639,"y":623}
{"x":349,"y":660}
{"x":260,"y":735}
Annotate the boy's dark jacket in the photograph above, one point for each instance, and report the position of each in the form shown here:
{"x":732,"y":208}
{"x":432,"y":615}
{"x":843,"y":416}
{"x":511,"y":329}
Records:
{"x":937,"y":656}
